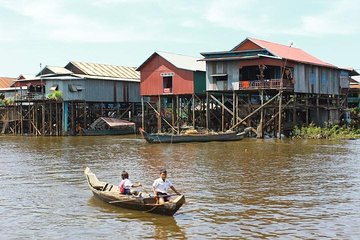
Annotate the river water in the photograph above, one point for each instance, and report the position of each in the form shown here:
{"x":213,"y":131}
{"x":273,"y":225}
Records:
{"x":250,"y":189}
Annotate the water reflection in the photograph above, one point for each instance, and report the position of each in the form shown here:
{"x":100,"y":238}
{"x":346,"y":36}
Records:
{"x":160,"y":227}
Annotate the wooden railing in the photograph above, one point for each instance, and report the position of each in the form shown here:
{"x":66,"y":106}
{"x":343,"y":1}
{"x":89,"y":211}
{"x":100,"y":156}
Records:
{"x":30,"y":96}
{"x":265,"y":84}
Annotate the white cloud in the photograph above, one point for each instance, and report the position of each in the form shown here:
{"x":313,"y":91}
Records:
{"x":261,"y":18}
{"x":190,"y":23}
{"x":241,"y":15}
{"x":51,"y":20}
{"x":133,"y":20}
{"x":103,"y":3}
{"x":342,"y":17}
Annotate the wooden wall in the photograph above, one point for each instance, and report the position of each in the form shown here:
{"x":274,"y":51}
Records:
{"x":152,"y":81}
{"x":96,"y":90}
{"x":317,"y":79}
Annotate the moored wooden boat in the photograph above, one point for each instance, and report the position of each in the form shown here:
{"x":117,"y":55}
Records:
{"x":197,"y":137}
{"x":143,"y":202}
{"x":109,"y":126}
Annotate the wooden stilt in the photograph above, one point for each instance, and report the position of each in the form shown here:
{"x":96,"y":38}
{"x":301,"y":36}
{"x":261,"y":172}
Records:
{"x":307,"y":108}
{"x":159,"y":114}
{"x":222,"y":112}
{"x":174,"y":111}
{"x":43,"y":118}
{"x":84,"y":117}
{"x":50,"y":118}
{"x":178,"y":113}
{"x":142,"y":113}
{"x":207,"y":119}
{"x":193,"y":111}
{"x":260,"y":129}
{"x":255,"y":111}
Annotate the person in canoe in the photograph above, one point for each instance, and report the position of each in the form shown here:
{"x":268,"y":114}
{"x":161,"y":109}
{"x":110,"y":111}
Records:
{"x":161,"y":186}
{"x":126,"y":185}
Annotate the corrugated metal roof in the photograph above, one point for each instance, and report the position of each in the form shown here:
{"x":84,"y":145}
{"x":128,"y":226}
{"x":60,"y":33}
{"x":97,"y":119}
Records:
{"x":58,"y":70}
{"x":179,"y":61}
{"x":84,"y":76}
{"x":63,"y":77}
{"x":6,"y":82}
{"x":184,"y":62}
{"x":25,"y":76}
{"x":106,"y":70}
{"x":355,"y":79}
{"x":225,"y":58}
{"x":290,"y":53}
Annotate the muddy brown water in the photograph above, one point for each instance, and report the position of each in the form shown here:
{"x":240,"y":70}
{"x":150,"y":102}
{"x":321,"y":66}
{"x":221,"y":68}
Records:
{"x":250,"y":189}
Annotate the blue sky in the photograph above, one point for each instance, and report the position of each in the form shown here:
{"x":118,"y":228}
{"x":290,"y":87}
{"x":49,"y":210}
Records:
{"x":127,"y":32}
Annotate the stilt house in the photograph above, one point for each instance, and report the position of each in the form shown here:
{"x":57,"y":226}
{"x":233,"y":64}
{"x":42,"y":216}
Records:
{"x":7,"y":89}
{"x":81,"y":92}
{"x":172,"y":81}
{"x":256,"y":70}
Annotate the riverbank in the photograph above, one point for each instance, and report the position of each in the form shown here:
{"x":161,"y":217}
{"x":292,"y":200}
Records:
{"x":328,"y":132}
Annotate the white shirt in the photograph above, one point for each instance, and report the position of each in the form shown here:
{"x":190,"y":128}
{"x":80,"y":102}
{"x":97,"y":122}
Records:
{"x":161,"y":185}
{"x":127,"y":183}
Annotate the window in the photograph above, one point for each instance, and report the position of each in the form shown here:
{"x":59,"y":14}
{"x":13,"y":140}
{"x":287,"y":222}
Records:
{"x":79,"y":88}
{"x":167,"y":84}
{"x":72,"y":88}
{"x":75,"y":88}
{"x":54,"y":87}
{"x":220,"y":77}
{"x":219,"y":68}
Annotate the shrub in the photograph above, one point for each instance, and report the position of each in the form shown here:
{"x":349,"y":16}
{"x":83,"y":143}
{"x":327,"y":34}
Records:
{"x":55,"y":95}
{"x":328,"y":132}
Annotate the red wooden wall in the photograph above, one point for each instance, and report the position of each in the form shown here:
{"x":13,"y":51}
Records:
{"x":248,"y":45}
{"x":151,"y":82}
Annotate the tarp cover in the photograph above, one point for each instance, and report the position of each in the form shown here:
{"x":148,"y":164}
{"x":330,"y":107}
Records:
{"x":112,"y":122}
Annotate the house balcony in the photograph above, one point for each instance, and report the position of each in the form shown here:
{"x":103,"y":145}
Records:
{"x":266,"y":84}
{"x":30,"y":96}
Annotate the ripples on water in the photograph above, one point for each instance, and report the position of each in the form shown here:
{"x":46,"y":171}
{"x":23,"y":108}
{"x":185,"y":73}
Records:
{"x":251,"y":189}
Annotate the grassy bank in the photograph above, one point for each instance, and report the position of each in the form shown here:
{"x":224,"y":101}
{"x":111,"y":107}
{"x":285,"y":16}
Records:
{"x":328,"y":132}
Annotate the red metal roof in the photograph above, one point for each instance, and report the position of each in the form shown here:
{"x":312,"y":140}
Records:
{"x":287,"y":52}
{"x":6,"y":82}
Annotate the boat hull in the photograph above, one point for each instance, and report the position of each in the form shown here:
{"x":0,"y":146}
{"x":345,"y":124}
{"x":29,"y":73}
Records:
{"x":173,"y":138}
{"x":102,"y":132}
{"x":110,"y":194}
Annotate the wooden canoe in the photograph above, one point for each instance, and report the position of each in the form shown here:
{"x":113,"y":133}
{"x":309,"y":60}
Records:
{"x":199,"y":137}
{"x":109,"y":193}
